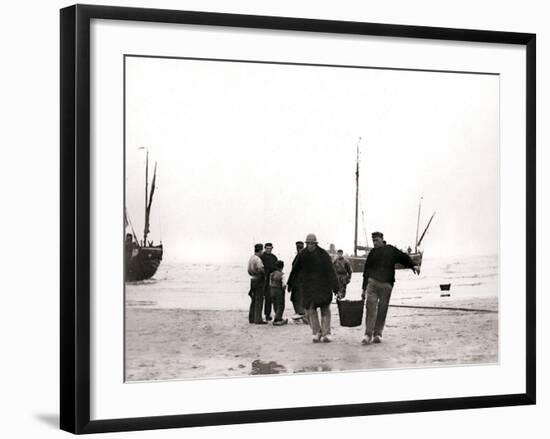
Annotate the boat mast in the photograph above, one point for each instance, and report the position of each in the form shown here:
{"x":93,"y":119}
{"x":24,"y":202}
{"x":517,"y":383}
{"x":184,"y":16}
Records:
{"x":417,"y":226}
{"x":356,"y":198}
{"x":426,"y":229}
{"x":146,"y":225}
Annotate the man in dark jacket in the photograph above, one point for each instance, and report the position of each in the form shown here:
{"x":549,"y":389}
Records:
{"x":378,"y":280}
{"x":270,"y":265}
{"x":295,"y":295}
{"x":317,"y":281}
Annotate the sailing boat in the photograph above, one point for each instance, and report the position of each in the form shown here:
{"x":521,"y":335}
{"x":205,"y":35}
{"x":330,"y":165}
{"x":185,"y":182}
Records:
{"x":356,"y":261}
{"x":142,"y":258}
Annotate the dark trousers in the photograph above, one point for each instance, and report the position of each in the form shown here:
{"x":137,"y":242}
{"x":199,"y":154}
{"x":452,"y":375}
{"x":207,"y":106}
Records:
{"x":267,"y":299}
{"x":322,"y":328}
{"x":278,"y":301}
{"x":296,"y":299}
{"x":256,"y":300}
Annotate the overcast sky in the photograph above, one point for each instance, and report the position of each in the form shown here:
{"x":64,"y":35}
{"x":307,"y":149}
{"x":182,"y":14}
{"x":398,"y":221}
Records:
{"x":253,"y":153}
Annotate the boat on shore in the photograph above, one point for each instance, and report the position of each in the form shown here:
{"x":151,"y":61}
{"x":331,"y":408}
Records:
{"x":142,"y":258}
{"x":357,"y":261}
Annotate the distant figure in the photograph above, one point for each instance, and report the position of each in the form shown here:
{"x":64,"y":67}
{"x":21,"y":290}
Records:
{"x":378,"y":280}
{"x":270,"y":264}
{"x":257,"y":283}
{"x":409,"y":250}
{"x":343,"y":272}
{"x":295,"y":295}
{"x":129,"y":246}
{"x":277,"y":284}
{"x":314,"y":272}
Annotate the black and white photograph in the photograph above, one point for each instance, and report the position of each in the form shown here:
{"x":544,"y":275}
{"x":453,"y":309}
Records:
{"x":294,"y":218}
{"x":275,"y":219}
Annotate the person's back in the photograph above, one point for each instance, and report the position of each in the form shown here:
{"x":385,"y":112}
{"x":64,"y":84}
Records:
{"x":255,"y":266}
{"x":276,"y":279}
{"x":270,"y":262}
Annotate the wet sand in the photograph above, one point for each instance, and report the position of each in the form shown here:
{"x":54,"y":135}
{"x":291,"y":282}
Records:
{"x":164,"y":344}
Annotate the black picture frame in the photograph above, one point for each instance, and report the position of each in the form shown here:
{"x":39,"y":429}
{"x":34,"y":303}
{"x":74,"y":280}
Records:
{"x":75,"y":217}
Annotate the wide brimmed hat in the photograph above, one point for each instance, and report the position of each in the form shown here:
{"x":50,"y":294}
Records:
{"x":311,"y":238}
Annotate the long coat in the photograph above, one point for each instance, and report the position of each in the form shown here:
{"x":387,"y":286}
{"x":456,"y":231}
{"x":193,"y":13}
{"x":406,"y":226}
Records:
{"x":314,"y":274}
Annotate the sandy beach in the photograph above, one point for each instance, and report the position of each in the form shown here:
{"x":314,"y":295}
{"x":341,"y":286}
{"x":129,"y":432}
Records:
{"x":176,"y":343}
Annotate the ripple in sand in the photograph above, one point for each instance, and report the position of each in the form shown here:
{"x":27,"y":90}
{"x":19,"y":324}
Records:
{"x":319,"y":368}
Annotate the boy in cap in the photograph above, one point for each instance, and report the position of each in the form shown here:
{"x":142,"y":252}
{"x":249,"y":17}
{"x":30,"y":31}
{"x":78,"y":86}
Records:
{"x":277,"y":284}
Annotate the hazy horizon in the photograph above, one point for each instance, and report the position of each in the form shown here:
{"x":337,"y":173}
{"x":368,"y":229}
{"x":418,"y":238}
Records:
{"x":266,"y":153}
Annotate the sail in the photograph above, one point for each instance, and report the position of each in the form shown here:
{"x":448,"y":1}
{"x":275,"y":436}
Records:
{"x":150,"y":202}
{"x":153,"y":184}
{"x":146,"y":257}
{"x":128,"y":223}
{"x":425,"y":230}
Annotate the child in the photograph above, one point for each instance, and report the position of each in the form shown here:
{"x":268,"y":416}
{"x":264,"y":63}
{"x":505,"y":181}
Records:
{"x":277,"y":284}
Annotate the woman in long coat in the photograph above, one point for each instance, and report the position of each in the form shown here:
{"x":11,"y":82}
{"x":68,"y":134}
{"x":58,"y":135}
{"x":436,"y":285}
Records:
{"x":317,"y":280}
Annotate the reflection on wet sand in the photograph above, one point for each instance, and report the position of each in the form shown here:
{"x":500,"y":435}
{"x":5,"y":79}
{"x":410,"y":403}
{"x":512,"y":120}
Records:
{"x":265,"y":368}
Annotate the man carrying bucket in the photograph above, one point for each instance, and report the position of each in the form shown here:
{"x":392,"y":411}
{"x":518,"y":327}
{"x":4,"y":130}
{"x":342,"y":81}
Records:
{"x":378,"y":280}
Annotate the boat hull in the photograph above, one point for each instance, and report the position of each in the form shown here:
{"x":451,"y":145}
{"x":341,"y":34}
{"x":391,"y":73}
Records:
{"x":143,"y":263}
{"x":358,"y":262}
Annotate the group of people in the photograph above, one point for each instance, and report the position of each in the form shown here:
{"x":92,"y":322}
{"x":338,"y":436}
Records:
{"x":268,"y":286}
{"x":315,"y":278}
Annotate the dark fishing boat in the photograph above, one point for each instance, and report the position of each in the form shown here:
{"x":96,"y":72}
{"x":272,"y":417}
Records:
{"x":357,"y":261}
{"x":142,"y":258}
